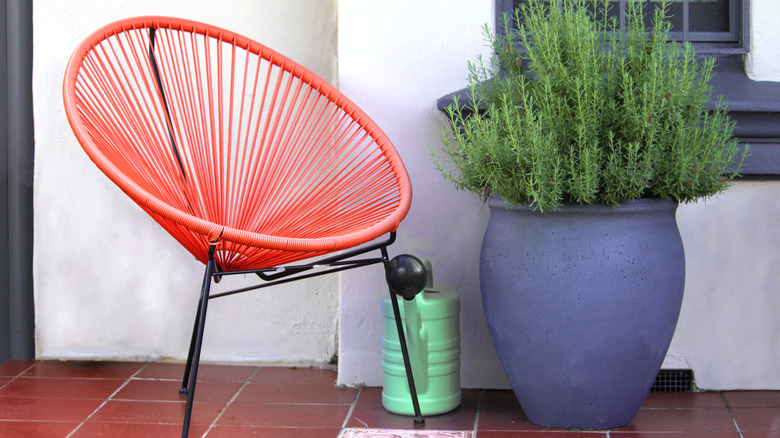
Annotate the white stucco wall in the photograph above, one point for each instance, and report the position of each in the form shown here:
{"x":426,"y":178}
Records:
{"x":395,"y":60}
{"x":109,"y":283}
{"x":762,"y":63}
{"x":728,"y":332}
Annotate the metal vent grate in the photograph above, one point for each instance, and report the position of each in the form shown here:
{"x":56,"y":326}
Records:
{"x":674,"y":381}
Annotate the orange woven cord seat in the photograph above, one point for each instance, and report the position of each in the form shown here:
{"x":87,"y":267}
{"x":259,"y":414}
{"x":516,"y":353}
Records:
{"x":219,"y":138}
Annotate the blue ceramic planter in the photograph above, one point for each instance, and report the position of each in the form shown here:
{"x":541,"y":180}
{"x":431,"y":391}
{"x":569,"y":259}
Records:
{"x":582,"y":304}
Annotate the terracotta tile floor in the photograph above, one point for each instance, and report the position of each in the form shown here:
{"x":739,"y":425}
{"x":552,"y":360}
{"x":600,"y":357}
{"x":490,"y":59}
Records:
{"x":129,"y":399}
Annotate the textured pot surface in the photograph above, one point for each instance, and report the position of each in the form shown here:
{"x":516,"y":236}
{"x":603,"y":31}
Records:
{"x":582,"y":304}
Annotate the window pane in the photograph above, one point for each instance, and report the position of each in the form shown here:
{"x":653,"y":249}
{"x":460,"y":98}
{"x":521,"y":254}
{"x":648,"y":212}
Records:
{"x":675,"y":10}
{"x":709,"y":15}
{"x":614,"y":7}
{"x":675,"y":14}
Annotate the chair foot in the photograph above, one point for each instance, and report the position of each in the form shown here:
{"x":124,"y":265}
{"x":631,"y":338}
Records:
{"x":183,"y":392}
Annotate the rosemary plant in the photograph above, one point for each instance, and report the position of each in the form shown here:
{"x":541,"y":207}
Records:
{"x":584,"y":112}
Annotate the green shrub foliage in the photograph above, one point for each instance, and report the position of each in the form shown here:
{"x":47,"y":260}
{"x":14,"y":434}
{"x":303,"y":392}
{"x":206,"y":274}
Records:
{"x":588,"y":113}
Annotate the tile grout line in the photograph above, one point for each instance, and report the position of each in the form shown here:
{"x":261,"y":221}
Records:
{"x":351,"y":410}
{"x":246,"y":382}
{"x":110,"y":397}
{"x":733,"y":418}
{"x":18,"y":375}
{"x":479,"y":409}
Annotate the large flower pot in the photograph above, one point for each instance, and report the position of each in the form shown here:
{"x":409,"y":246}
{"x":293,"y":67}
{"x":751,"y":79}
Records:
{"x":582,"y":304}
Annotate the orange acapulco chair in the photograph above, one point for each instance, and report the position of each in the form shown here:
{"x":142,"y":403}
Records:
{"x":250,"y":161}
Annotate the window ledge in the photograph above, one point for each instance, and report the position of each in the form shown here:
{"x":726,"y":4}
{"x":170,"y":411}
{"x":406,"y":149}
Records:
{"x":743,"y":93}
{"x":755,"y":107}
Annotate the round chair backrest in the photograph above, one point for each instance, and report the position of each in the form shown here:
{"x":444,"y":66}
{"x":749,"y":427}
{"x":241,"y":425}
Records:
{"x":223,"y":140}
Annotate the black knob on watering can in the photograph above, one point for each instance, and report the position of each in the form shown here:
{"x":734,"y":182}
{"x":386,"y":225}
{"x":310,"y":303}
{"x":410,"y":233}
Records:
{"x":406,"y":275}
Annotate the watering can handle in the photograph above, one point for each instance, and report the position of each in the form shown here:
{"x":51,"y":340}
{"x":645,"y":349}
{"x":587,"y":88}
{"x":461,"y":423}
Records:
{"x":428,"y":274}
{"x":417,"y":339}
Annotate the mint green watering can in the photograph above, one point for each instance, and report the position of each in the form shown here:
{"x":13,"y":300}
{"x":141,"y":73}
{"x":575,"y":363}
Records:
{"x":432,"y":329}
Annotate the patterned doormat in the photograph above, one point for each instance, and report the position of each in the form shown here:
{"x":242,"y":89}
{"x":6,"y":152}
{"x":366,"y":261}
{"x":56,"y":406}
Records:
{"x":387,"y":433}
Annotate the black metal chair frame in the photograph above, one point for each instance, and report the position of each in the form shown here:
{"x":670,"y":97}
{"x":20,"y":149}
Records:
{"x":345,"y":260}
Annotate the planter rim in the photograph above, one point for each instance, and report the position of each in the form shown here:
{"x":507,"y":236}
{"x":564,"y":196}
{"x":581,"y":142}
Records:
{"x":641,"y":205}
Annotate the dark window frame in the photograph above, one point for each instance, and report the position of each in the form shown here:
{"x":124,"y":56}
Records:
{"x":734,"y":42}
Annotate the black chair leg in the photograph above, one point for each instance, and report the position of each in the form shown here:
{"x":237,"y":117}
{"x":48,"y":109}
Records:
{"x":418,"y":418}
{"x":406,"y":276}
{"x":193,"y":359}
{"x":186,"y":378}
